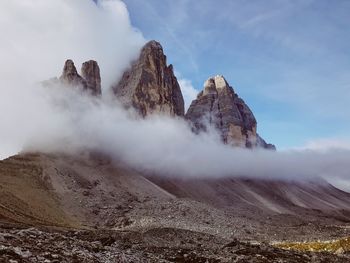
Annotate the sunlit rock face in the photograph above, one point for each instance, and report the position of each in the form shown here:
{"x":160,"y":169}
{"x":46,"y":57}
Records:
{"x":219,"y":106}
{"x":150,"y":85}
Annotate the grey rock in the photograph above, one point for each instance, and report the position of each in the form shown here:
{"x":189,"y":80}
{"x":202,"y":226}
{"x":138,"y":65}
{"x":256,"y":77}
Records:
{"x":150,"y":85}
{"x":90,"y":80}
{"x":263,"y":144}
{"x":220,"y":107}
{"x":23,"y":253}
{"x":90,"y":71}
{"x":71,"y":77}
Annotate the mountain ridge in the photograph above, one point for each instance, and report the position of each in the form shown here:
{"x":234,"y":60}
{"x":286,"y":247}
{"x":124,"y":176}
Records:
{"x":88,"y":207}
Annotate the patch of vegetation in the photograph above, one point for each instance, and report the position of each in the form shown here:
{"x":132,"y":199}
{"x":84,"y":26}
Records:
{"x":334,"y":246}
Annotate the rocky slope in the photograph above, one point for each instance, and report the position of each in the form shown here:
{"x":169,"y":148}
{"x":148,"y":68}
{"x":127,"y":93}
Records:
{"x":91,"y":191}
{"x":143,"y":218}
{"x":150,"y":85}
{"x":219,"y":106}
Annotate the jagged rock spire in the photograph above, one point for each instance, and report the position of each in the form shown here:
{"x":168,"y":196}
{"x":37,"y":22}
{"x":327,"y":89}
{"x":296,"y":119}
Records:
{"x":90,"y":71}
{"x":91,"y":80}
{"x":150,"y":85}
{"x":218,"y":105}
{"x":70,"y":75}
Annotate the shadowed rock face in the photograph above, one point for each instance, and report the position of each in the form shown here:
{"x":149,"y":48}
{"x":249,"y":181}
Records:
{"x":91,"y":73}
{"x":90,"y":81}
{"x":70,"y":75}
{"x":218,"y":105}
{"x":150,"y":85}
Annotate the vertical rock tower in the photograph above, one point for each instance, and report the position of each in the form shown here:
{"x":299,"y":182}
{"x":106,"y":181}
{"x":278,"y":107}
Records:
{"x":89,"y":81}
{"x":150,"y":85}
{"x":218,"y":105}
{"x":90,"y":71}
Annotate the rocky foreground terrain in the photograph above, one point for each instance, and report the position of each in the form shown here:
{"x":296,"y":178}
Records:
{"x":58,"y":208}
{"x":156,"y":245}
{"x":86,"y":207}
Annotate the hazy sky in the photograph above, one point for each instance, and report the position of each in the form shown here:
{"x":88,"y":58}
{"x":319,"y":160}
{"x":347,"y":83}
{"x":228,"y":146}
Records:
{"x":288,"y":59}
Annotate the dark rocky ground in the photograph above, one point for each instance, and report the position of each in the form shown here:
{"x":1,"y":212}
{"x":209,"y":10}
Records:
{"x":64,"y":209}
{"x":18,"y":244}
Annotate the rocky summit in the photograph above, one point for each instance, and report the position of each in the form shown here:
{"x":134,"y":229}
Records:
{"x":90,"y":79}
{"x":91,"y":73}
{"x":150,"y":85}
{"x":219,"y":106}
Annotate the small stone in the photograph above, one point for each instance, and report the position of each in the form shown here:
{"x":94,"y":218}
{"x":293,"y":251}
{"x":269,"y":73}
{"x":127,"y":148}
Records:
{"x":340,"y":251}
{"x":20,"y":252}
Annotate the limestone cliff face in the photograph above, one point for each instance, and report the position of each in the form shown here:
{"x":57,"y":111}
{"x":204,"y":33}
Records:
{"x":150,"y":85}
{"x":219,"y":106}
{"x":89,"y":81}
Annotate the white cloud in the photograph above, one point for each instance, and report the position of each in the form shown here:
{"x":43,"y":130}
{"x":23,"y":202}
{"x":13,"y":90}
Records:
{"x":165,"y":145}
{"x":37,"y":36}
{"x":326,"y":144}
{"x":188,"y":91}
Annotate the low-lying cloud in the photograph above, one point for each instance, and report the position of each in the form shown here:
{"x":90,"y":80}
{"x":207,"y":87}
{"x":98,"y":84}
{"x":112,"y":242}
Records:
{"x":167,"y":146}
{"x":61,"y":119}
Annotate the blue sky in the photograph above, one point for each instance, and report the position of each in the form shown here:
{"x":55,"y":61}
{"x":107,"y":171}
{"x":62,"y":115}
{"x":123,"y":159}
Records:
{"x":288,"y":59}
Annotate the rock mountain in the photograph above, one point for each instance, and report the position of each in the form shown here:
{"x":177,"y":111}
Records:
{"x":90,"y":79}
{"x":150,"y":86}
{"x":88,"y":208}
{"x":218,"y":105}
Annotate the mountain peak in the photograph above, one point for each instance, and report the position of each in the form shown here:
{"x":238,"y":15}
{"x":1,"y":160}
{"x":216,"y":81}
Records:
{"x":91,"y":73}
{"x":89,"y":81}
{"x":150,"y":85}
{"x":70,"y":74}
{"x":153,"y":44}
{"x":223,"y":109}
{"x":213,"y":84}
